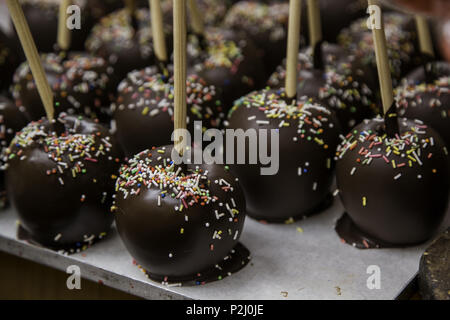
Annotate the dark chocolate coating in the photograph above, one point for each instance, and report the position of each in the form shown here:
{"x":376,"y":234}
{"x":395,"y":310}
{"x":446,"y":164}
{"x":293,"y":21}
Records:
{"x":306,"y":148}
{"x":351,"y":100}
{"x":398,"y":197}
{"x":12,"y":119}
{"x":143,"y":113}
{"x":265,"y":25}
{"x":401,"y":38}
{"x":42,"y":17}
{"x":82,"y":84}
{"x":171,"y":239}
{"x":9,"y":60}
{"x":126,"y":49}
{"x":429,"y":103}
{"x":213,"y":11}
{"x":437,"y":70}
{"x":63,"y":199}
{"x":342,"y":83}
{"x":335,"y":15}
{"x":230,"y":63}
{"x":332,"y":57}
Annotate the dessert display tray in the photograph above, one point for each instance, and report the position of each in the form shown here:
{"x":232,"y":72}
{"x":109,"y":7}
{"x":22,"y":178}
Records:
{"x":303,"y":260}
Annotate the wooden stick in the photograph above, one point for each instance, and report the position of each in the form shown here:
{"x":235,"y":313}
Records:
{"x":196,"y":18}
{"x":423,"y":31}
{"x":32,"y":55}
{"x":64,"y":34}
{"x":295,"y":9}
{"x":159,"y":42}
{"x":384,"y":70}
{"x":314,"y":23}
{"x":179,"y":44}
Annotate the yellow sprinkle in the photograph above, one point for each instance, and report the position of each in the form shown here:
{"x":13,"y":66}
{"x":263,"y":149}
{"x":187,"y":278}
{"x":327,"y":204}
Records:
{"x":289,"y":221}
{"x":300,"y":230}
{"x":364,"y":201}
{"x":319,"y":141}
{"x":145,"y":111}
{"x":182,"y":231}
{"x":393,"y":164}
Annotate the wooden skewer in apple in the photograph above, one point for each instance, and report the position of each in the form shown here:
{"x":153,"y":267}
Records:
{"x":305,"y":155}
{"x":60,"y":202}
{"x":32,"y":56}
{"x":184,"y":251}
{"x":384,"y":190}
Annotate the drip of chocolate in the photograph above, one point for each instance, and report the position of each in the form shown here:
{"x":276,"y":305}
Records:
{"x":391,"y":121}
{"x":318,"y":56}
